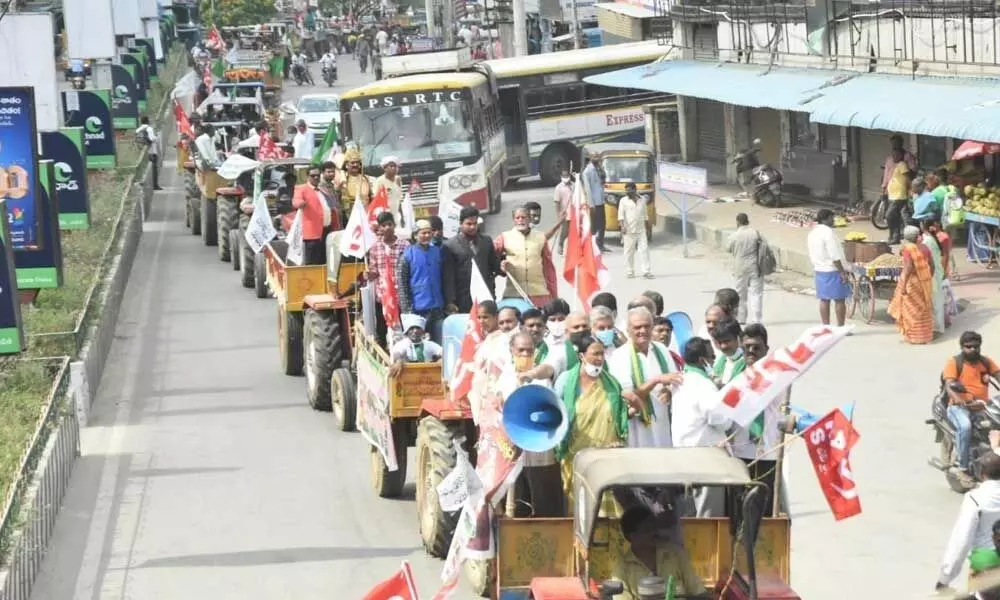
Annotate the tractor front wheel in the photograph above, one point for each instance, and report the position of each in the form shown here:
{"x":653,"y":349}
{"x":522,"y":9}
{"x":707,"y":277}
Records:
{"x":389,"y":484}
{"x":436,"y":458}
{"x":194,"y":210}
{"x":209,"y":226}
{"x":290,"y":341}
{"x":343,"y":398}
{"x":227,"y":219}
{"x":260,"y":275}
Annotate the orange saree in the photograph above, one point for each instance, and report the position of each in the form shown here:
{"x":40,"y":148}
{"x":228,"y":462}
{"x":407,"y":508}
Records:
{"x":912,"y":304}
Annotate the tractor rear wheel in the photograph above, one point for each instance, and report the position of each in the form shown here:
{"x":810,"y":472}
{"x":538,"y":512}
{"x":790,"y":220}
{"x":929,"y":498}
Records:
{"x":234,"y":249}
{"x":480,"y":574}
{"x":436,"y":458}
{"x":389,"y":484}
{"x":290,"y":341}
{"x":209,"y":225}
{"x":344,"y":399}
{"x":260,"y":276}
{"x":194,"y":208}
{"x":227,"y":219}
{"x":323,"y":354}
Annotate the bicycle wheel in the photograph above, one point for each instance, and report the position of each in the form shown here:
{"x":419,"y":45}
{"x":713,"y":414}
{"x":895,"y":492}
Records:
{"x":866,"y":298}
{"x":853,"y":301}
{"x":982,"y":249}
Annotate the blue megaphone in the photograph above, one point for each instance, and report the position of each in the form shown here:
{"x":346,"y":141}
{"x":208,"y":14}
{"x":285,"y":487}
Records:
{"x":535,"y":418}
{"x":683,"y":330}
{"x":805,"y":419}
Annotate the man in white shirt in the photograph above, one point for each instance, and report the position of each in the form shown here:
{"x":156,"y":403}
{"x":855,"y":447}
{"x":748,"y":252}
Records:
{"x":304,"y":141}
{"x":644,"y":370}
{"x":205,"y":144}
{"x":413,"y":348}
{"x":632,"y":225}
{"x":973,"y":529}
{"x":831,"y":278}
{"x":694,"y":424}
{"x":148,"y":134}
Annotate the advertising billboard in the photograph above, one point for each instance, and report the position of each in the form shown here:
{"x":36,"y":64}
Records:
{"x":91,"y":110}
{"x":90,"y":29}
{"x":126,"y":17}
{"x":28,"y":61}
{"x":41,"y":268}
{"x":12,"y":339}
{"x":124,"y":97}
{"x":149,"y":46}
{"x":136,"y":60}
{"x":66,"y":149}
{"x":19,"y":167}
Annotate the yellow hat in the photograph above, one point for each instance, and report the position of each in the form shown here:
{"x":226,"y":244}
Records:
{"x":352,"y":155}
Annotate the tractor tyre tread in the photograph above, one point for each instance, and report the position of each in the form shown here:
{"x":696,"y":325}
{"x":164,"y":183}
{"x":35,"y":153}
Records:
{"x":194,"y":205}
{"x":324,"y":342}
{"x":209,"y":223}
{"x":227,"y":219}
{"x":436,"y":438}
{"x":260,"y":276}
{"x":342,"y":385}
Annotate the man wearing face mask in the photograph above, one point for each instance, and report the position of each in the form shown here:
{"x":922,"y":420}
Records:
{"x":561,"y":355}
{"x":646,"y":374}
{"x":539,"y":488}
{"x":556,"y":312}
{"x":729,"y":362}
{"x":526,"y":257}
{"x":413,"y":348}
{"x":602,"y":326}
{"x":694,"y":423}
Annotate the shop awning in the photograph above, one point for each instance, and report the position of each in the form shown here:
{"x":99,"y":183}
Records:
{"x":933,"y":106}
{"x":628,"y":10}
{"x":741,"y":85}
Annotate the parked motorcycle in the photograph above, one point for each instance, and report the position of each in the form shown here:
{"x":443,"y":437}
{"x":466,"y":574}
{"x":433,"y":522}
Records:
{"x":880,"y":212}
{"x":765,"y":181}
{"x":983,"y":422}
{"x":330,"y":75}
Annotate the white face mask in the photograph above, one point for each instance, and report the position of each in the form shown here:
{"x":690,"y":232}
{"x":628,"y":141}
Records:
{"x":557,"y":329}
{"x":565,"y":179}
{"x":591,"y":370}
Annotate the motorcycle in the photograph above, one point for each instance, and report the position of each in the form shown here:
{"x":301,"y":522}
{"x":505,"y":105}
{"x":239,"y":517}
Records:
{"x":765,"y":180}
{"x":983,"y":422}
{"x":330,"y":75}
{"x":880,"y":212}
{"x":301,"y":75}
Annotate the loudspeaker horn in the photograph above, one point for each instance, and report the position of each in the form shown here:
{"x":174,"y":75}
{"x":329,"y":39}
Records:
{"x":535,"y":418}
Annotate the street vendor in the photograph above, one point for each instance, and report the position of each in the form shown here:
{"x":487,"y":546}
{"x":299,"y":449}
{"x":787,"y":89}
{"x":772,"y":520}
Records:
{"x":389,"y":181}
{"x":355,"y":184}
{"x":414,"y":347}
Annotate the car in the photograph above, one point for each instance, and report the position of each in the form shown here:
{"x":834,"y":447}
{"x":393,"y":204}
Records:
{"x":317,"y":110}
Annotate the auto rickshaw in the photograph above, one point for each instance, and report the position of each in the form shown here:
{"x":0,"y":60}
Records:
{"x":740,"y":556}
{"x":625,"y":163}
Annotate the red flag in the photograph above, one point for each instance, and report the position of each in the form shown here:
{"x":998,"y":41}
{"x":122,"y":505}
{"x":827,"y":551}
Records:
{"x":461,"y":380}
{"x":268,"y":150}
{"x":584,"y":265}
{"x":829,"y":442}
{"x":215,"y":39}
{"x":390,"y":302}
{"x":378,"y":205}
{"x":398,"y":587}
{"x":181,"y":118}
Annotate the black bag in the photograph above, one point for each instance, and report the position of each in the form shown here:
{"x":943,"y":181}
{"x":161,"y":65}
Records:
{"x":767,"y":263}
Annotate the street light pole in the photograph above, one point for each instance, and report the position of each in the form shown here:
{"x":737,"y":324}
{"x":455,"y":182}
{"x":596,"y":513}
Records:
{"x":576,"y":26}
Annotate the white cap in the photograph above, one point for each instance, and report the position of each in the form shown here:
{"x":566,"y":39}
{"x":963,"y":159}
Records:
{"x":389,"y":159}
{"x":411,"y":320}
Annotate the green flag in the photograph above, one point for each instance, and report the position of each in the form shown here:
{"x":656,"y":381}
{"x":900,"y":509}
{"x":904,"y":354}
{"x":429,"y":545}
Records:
{"x":326,"y":145}
{"x":218,"y":69}
{"x":670,"y":588}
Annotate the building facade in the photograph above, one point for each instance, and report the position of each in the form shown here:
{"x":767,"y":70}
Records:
{"x":825,"y":85}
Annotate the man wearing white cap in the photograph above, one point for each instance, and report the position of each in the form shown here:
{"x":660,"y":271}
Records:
{"x":413,"y":348}
{"x":389,"y":180}
{"x":419,"y":280}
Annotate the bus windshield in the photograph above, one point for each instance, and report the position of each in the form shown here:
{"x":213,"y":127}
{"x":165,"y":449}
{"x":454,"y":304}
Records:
{"x":432,"y":131}
{"x":625,"y":169}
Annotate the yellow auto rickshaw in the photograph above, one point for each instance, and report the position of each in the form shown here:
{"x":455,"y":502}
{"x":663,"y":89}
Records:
{"x":625,"y":163}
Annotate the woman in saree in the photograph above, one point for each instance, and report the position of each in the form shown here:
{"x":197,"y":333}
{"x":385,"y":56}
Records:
{"x":597,"y":414}
{"x":944,"y":242}
{"x":912,"y":304}
{"x":930,"y":241}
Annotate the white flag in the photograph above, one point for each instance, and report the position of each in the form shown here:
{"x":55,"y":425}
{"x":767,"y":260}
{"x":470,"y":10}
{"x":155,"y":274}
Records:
{"x":261,"y":229}
{"x":358,"y":236}
{"x":408,"y":215}
{"x":296,"y":245}
{"x":235,"y":165}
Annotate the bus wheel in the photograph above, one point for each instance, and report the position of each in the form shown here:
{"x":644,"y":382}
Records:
{"x":555,"y":160}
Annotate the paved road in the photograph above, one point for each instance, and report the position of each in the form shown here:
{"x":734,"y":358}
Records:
{"x":205,"y":474}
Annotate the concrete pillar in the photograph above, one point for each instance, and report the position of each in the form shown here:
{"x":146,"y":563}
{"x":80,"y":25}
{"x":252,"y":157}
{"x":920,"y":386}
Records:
{"x":854,"y":164}
{"x":520,"y":28}
{"x":737,"y":121}
{"x":687,"y":121}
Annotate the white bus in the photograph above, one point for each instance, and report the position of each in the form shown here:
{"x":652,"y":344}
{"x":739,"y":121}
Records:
{"x":549,"y":112}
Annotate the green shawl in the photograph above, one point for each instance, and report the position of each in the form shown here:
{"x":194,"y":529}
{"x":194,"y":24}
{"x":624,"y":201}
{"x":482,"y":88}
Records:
{"x":619,"y":409}
{"x":639,"y":378}
{"x":757,"y":425}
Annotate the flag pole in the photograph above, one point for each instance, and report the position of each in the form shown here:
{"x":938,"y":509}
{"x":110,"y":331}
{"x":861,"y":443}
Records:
{"x":776,"y":499}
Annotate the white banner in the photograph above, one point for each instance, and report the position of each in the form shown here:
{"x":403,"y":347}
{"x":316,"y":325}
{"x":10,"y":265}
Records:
{"x":358,"y":236}
{"x":296,"y":245}
{"x":456,"y":488}
{"x":449,"y":211}
{"x":260,"y":230}
{"x":754,"y":389}
{"x":236,"y":165}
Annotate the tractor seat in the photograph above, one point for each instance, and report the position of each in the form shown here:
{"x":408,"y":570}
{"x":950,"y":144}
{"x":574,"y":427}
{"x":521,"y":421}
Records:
{"x":235,"y":190}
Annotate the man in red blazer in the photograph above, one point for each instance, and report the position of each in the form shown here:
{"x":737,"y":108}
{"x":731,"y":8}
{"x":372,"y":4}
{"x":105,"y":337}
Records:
{"x":316,"y":215}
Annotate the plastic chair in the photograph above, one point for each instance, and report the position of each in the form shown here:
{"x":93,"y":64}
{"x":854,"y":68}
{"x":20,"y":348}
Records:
{"x":683,"y":329}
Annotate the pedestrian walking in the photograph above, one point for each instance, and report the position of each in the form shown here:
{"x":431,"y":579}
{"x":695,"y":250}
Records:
{"x":562,"y":197}
{"x":148,"y":136}
{"x":831,"y":278}
{"x":632,"y":225}
{"x":746,"y":246}
{"x":594,"y":186}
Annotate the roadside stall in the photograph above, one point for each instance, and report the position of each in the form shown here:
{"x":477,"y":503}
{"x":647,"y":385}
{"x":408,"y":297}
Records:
{"x":874,"y":273}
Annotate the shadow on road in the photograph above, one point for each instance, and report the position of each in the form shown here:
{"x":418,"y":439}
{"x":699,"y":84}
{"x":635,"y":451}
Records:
{"x":276,"y":556}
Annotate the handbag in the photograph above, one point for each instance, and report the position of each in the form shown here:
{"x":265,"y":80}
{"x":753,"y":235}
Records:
{"x":767,"y":263}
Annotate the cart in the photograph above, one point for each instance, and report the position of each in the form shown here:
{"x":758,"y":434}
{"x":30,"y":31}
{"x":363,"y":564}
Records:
{"x":984,"y":239}
{"x":865,"y":283}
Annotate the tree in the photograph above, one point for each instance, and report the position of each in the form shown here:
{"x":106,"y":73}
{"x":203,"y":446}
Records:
{"x":227,"y":13}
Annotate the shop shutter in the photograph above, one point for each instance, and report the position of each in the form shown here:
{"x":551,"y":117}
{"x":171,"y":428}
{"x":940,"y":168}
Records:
{"x":874,"y":145}
{"x":711,"y":131}
{"x":705,"y":40}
